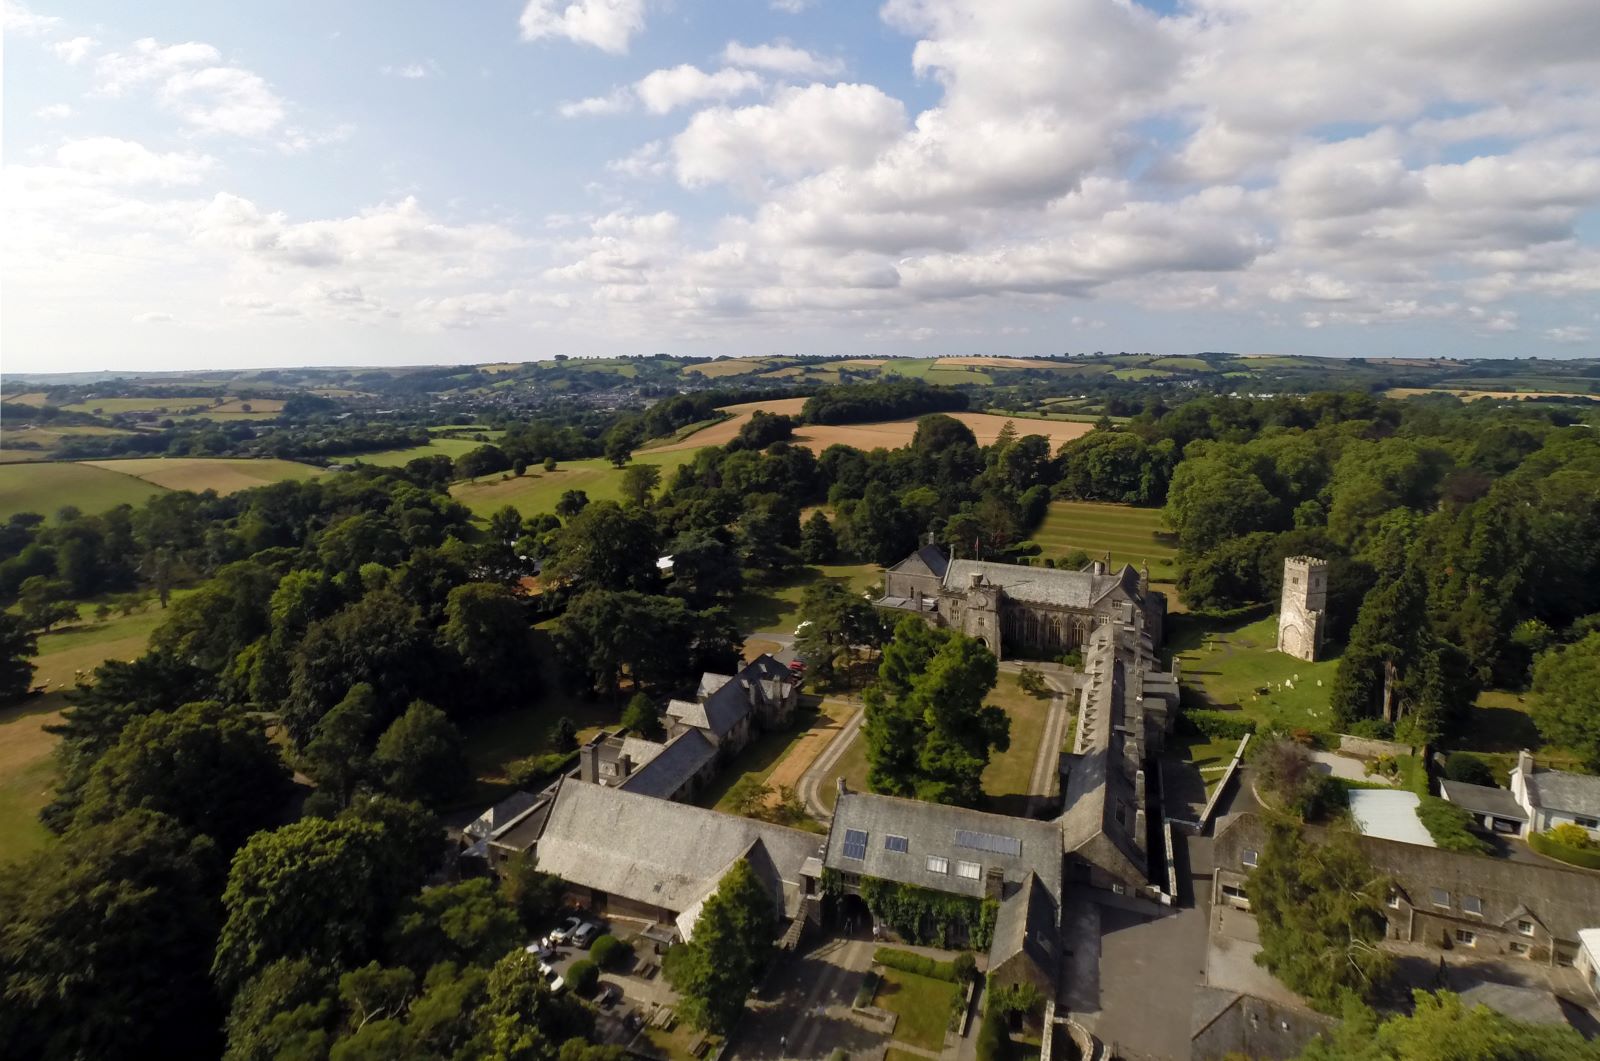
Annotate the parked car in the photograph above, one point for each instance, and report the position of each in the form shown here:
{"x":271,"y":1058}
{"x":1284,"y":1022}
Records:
{"x":608,"y":995}
{"x":586,"y":934}
{"x":555,"y":980}
{"x":565,"y":932}
{"x":797,"y":666}
{"x":542,"y":949}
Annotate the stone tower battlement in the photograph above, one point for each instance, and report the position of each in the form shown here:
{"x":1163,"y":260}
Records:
{"x":1302,"y":613}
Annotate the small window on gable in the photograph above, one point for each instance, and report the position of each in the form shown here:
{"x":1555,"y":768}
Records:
{"x":1525,"y":927}
{"x":1439,"y":897}
{"x":1393,"y":901}
{"x":1471,"y":904}
{"x":1250,"y":857}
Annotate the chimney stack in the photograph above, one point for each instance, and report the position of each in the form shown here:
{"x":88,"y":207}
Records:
{"x":994,"y":884}
{"x":589,"y":760}
{"x":844,"y":789}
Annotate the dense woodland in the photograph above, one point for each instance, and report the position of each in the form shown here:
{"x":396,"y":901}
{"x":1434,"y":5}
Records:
{"x":200,"y":901}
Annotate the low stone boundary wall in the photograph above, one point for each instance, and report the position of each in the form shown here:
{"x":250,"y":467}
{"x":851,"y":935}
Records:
{"x":1371,"y":747}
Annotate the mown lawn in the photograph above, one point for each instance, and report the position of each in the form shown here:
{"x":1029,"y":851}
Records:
{"x":921,"y":1003}
{"x":1131,"y":535}
{"x":1009,"y":773}
{"x":852,"y":766}
{"x":1499,"y":725}
{"x":1237,"y":666}
{"x":777,"y":608}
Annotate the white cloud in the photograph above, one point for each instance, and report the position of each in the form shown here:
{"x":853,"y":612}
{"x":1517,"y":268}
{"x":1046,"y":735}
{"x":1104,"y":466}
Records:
{"x":790,"y":7}
{"x":154,"y":318}
{"x":413,"y":71}
{"x":666,"y":90}
{"x":649,"y":160}
{"x":106,"y":160}
{"x":74,"y":51}
{"x":22,"y":21}
{"x":1568,"y":333}
{"x":780,"y":58}
{"x":605,"y":24}
{"x":802,"y":130}
{"x":54,"y":111}
{"x":616,"y":101}
{"x":191,"y":81}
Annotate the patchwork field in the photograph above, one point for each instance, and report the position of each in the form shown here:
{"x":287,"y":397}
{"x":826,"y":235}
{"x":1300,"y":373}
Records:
{"x":394,"y":458}
{"x":1473,"y":395}
{"x":19,"y":444}
{"x":733,"y":366}
{"x":538,"y":490}
{"x":1130,"y":535}
{"x":885,"y":434}
{"x":46,"y":488}
{"x":223,"y":474}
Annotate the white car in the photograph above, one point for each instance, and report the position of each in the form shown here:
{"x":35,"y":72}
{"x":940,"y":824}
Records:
{"x":565,"y":932}
{"x":541,"y":949}
{"x":553,"y":978}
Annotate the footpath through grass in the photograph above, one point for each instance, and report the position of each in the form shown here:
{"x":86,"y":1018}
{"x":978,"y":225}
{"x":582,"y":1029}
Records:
{"x":1131,"y":535}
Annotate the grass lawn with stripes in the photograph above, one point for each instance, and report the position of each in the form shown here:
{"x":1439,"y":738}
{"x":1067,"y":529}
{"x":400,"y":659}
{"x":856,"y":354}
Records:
{"x":1007,"y":777}
{"x":1131,"y":535}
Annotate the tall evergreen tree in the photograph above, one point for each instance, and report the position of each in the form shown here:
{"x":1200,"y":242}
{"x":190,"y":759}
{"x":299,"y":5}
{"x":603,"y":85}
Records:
{"x":730,"y":946}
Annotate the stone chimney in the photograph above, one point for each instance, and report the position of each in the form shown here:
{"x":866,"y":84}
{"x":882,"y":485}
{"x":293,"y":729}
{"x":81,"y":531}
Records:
{"x":994,"y":884}
{"x":1098,"y":567}
{"x":589,"y":760}
{"x":844,"y":789}
{"x":1525,"y":763}
{"x":975,"y":579}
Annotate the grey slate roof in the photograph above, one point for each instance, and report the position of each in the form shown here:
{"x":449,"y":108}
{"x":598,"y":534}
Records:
{"x":500,"y":815}
{"x":725,"y":699}
{"x":931,"y":558}
{"x":930,"y":829}
{"x":1561,"y":791}
{"x":658,"y":852}
{"x":1039,"y":585}
{"x":1094,"y":783}
{"x":1026,"y":923}
{"x":1563,"y":900}
{"x":1483,"y":799}
{"x":673,"y":765}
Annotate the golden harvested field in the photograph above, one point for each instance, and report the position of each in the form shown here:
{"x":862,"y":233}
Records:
{"x":887,"y":434}
{"x":257,"y":405}
{"x":222,"y":474}
{"x":733,"y":366}
{"x":36,"y":398}
{"x":720,"y":433}
{"x":1472,"y":395}
{"x":860,"y":362}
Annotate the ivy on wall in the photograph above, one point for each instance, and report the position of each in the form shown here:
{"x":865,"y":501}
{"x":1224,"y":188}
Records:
{"x":929,"y":918}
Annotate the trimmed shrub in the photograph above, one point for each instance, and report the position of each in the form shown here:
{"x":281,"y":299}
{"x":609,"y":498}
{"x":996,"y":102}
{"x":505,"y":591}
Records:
{"x":965,"y":967}
{"x":868,"y":988}
{"x":582,"y":976}
{"x":1223,"y":725}
{"x":1550,"y":847}
{"x":994,"y":1042}
{"x":1573,"y":835}
{"x":907,"y":962}
{"x":603,"y":950}
{"x":1449,"y":826}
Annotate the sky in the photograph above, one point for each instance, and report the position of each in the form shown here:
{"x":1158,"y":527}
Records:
{"x":191,"y":184}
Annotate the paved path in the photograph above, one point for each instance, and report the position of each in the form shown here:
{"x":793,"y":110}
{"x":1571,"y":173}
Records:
{"x":1047,"y":767}
{"x":811,"y":782}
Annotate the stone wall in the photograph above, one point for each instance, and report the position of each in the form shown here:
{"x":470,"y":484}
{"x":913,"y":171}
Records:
{"x":1370,"y":747}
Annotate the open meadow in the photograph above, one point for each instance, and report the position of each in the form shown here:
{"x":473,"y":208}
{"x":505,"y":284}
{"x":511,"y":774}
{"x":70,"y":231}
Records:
{"x":437,"y":447}
{"x":46,"y":487}
{"x":538,"y":490}
{"x":1007,"y":778}
{"x":27,"y":766}
{"x":1131,"y":535}
{"x":1237,"y":665}
{"x":225,"y":475}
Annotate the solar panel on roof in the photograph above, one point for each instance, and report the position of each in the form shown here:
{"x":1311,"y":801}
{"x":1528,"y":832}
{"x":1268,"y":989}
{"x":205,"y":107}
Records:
{"x":855,"y":844}
{"x":999,"y":845}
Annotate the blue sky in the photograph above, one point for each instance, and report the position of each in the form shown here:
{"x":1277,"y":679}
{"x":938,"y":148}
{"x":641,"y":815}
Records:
{"x":203,"y":184}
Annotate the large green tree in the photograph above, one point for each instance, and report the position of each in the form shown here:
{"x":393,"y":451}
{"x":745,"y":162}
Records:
{"x":1566,"y":691}
{"x":929,"y":734}
{"x":730,"y":946}
{"x":1440,"y":1027}
{"x":1319,"y":906}
{"x":606,"y":546}
{"x":17,"y":646}
{"x":834,"y":622}
{"x":487,"y":629}
{"x":421,"y":756}
{"x":105,"y":940}
{"x":208,"y":767}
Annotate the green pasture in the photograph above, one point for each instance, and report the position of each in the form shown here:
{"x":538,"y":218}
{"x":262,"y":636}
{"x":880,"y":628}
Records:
{"x":45,"y":488}
{"x":776,"y":608}
{"x":1237,"y":665}
{"x":538,"y":490}
{"x":1131,"y":535}
{"x":394,"y":458}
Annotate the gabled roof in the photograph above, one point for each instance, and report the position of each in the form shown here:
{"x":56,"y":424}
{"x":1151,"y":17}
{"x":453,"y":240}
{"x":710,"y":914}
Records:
{"x":680,"y":759}
{"x":500,"y":815}
{"x":1483,"y":799}
{"x":1026,"y":924}
{"x":725,"y":700}
{"x":1042,"y":585}
{"x":1562,"y":899}
{"x":931,"y":829}
{"x":929,"y":560}
{"x":656,"y":851}
{"x":1562,"y":791}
